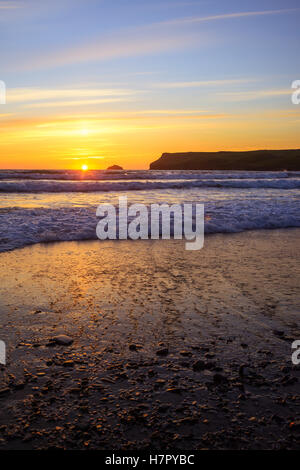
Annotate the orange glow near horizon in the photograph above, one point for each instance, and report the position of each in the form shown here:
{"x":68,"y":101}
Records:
{"x":191,"y":77}
{"x":84,"y":167}
{"x":134,"y":140}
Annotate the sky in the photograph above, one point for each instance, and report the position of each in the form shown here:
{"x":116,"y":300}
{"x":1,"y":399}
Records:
{"x":102,"y":82}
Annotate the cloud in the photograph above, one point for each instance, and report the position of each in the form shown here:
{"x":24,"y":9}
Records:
{"x":132,"y":43}
{"x":225,"y":16}
{"x":83,"y":157}
{"x":202,"y":83}
{"x":153,"y":38}
{"x":55,"y":104}
{"x":9,"y":5}
{"x":148,"y":39}
{"x":283,"y":113}
{"x":253,"y":94}
{"x":19,"y":95}
{"x":172,"y":113}
{"x":148,"y":114}
{"x":94,"y":122}
{"x":169,"y":111}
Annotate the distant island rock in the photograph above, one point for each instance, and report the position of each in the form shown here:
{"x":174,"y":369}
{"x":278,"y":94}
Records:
{"x":256,"y":160}
{"x":114,"y":167}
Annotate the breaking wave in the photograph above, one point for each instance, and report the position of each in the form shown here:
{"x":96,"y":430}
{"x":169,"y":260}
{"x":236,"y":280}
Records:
{"x":47,"y":206}
{"x":132,"y":185}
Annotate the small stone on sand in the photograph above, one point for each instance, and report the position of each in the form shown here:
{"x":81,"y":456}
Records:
{"x":63,"y":340}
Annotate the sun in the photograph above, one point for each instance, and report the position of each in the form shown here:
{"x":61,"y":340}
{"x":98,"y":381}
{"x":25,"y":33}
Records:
{"x":84,"y":167}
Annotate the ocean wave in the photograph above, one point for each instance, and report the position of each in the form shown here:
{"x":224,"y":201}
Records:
{"x":104,"y":186}
{"x":106,"y":175}
{"x":20,"y":227}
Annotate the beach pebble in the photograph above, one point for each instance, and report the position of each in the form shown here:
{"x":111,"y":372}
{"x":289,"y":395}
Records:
{"x":162,"y":352}
{"x":68,"y":364}
{"x":278,"y":332}
{"x":160,"y":382}
{"x":174,"y":390}
{"x":63,"y":340}
{"x":186,"y":353}
{"x":199,"y":365}
{"x":19,"y":385}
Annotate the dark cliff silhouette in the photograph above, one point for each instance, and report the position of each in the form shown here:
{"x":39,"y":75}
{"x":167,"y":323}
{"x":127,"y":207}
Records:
{"x":266,"y":160}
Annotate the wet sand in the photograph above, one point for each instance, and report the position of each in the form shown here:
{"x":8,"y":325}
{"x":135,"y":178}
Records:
{"x":171,"y":348}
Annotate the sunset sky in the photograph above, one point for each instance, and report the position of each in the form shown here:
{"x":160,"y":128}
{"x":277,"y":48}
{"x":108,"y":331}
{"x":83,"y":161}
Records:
{"x":101,"y":82}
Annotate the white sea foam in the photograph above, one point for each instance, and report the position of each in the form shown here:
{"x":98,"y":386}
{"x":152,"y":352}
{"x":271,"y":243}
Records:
{"x":20,"y":227}
{"x":43,"y":209}
{"x":132,"y":185}
{"x":102,"y":175}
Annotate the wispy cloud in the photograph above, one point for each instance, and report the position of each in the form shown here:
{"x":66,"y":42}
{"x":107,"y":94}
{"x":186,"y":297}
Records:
{"x":141,"y":41}
{"x":203,"y":83}
{"x":226,"y":16}
{"x":10,"y":5}
{"x":147,"y":114}
{"x":152,"y":38}
{"x":83,"y":157}
{"x":19,"y":95}
{"x":169,"y":111}
{"x":56,"y":104}
{"x":253,"y":94}
{"x":93,"y":122}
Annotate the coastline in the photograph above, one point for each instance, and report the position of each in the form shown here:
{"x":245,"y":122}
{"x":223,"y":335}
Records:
{"x":172,"y":349}
{"x":243,"y":160}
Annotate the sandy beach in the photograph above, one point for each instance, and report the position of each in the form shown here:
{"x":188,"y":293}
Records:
{"x":171,"y":348}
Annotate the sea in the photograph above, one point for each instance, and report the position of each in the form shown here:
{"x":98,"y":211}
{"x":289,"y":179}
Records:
{"x":58,"y":205}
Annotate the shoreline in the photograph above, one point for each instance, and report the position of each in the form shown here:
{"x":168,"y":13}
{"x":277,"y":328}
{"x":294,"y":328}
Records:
{"x":93,"y":240}
{"x":171,"y":349}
